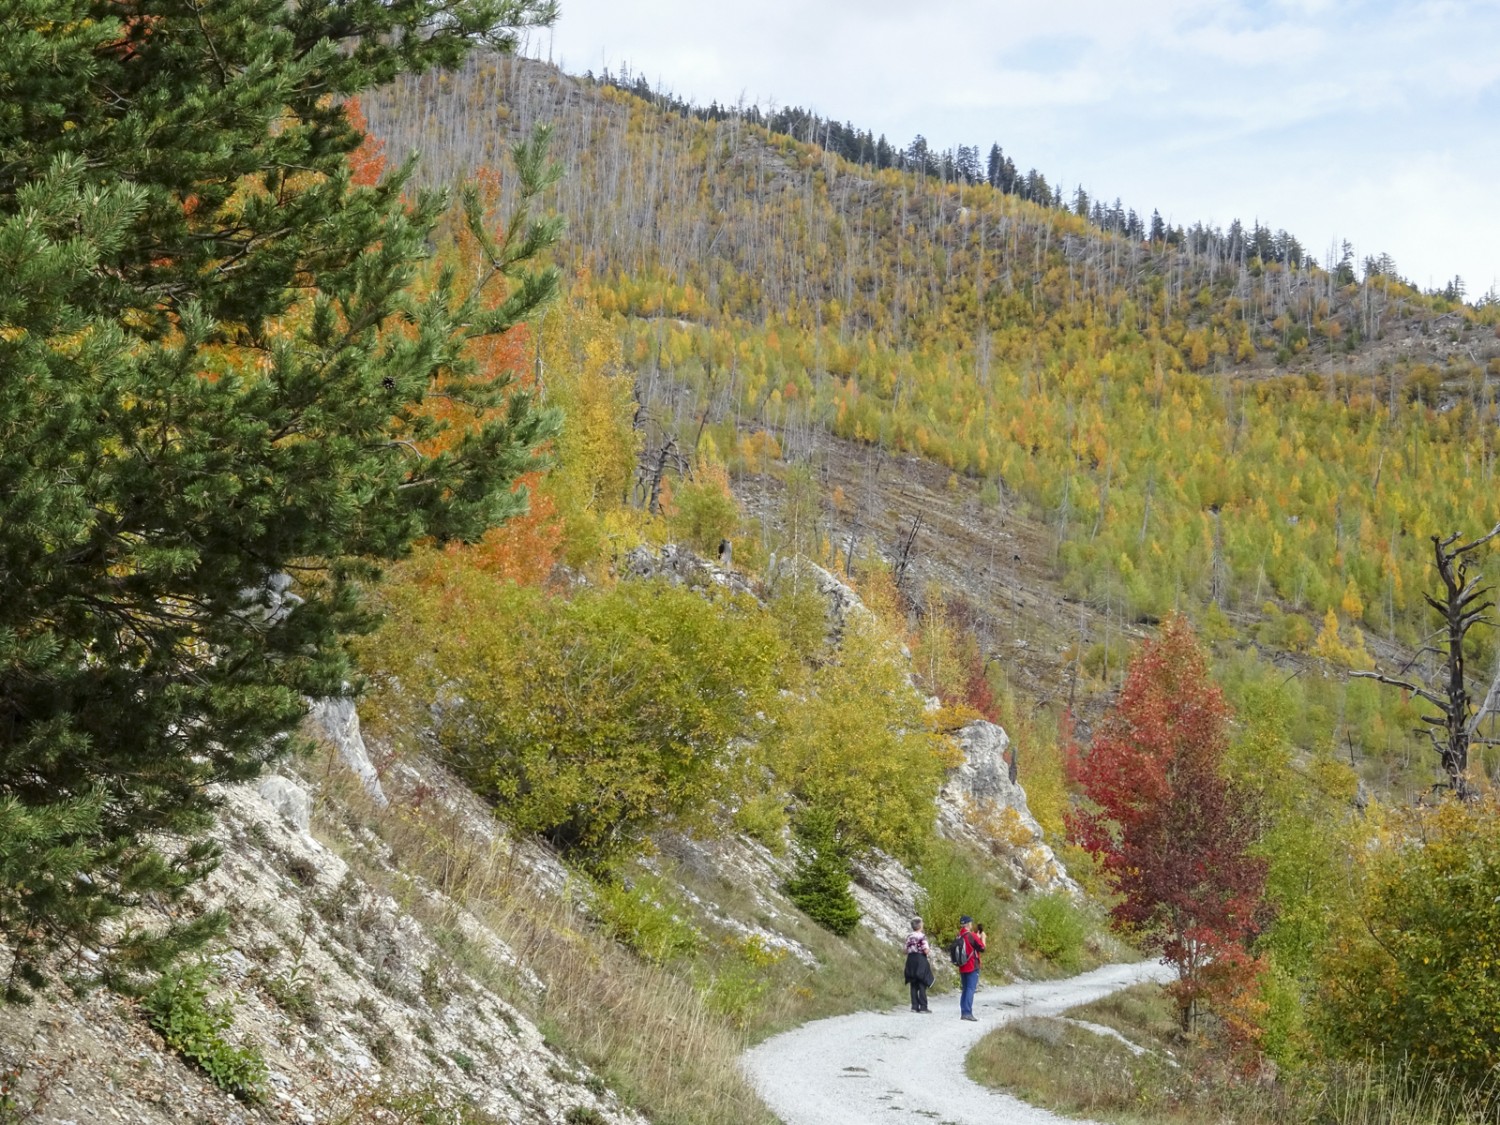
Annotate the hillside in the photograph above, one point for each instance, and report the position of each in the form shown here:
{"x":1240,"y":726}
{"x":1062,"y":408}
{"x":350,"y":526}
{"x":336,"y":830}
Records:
{"x":394,"y":955}
{"x":455,"y":672}
{"x":1129,"y":427}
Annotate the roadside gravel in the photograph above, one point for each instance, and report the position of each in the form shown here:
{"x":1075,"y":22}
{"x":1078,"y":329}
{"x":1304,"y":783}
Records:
{"x":897,"y":1066}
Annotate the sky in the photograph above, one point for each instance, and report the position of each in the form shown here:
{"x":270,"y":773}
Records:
{"x":1376,"y":123}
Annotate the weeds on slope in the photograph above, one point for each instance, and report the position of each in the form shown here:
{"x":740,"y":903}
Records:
{"x":1057,"y":1064}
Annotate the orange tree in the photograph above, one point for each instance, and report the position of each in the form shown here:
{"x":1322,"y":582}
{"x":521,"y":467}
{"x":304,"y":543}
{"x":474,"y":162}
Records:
{"x":1174,"y":834}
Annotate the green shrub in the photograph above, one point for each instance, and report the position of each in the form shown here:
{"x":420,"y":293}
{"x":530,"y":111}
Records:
{"x":954,"y":884}
{"x":179,"y":1008}
{"x":646,"y":917}
{"x":856,"y":741}
{"x":590,"y":720}
{"x":706,"y":510}
{"x":739,"y":986}
{"x":1418,"y":980}
{"x":1054,"y":928}
{"x":763,"y":817}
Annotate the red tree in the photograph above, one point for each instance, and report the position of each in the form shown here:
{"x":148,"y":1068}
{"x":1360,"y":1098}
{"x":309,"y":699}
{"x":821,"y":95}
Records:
{"x":1173,"y":833}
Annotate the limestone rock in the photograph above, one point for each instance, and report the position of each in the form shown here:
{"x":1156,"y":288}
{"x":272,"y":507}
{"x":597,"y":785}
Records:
{"x":981,"y":804}
{"x":887,"y":895}
{"x":680,"y":566}
{"x":289,"y":800}
{"x":337,"y":722}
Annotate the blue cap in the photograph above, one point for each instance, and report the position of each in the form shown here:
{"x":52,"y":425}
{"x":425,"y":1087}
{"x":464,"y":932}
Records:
{"x":965,"y":920}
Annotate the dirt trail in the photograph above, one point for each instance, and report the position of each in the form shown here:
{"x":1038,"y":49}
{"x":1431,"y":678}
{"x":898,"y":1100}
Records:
{"x":897,"y":1066}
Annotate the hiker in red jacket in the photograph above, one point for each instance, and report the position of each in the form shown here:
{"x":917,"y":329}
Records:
{"x":970,"y":945}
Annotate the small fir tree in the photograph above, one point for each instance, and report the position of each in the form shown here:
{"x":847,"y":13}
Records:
{"x":820,"y":884}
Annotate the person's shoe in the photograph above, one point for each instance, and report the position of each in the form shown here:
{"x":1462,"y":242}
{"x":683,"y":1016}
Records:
{"x":972,"y":1019}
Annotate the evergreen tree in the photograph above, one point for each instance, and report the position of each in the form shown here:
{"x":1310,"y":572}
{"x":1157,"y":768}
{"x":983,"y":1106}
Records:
{"x":994,"y":166}
{"x":820,"y":884}
{"x":212,"y":367}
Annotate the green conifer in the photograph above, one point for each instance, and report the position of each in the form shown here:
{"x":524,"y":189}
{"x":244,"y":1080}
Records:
{"x":820,"y":884}
{"x":212,"y":360}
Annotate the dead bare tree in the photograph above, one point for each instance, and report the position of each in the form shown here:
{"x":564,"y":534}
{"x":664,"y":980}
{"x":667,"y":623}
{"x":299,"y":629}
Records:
{"x":903,"y":559}
{"x":652,"y":469}
{"x":1456,"y":726}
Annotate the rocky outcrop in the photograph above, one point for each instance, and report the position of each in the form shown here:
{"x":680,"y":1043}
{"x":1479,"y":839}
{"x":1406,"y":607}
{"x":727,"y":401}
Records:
{"x":365,"y":1006}
{"x":981,"y":804}
{"x":887,"y":895}
{"x":288,"y":798}
{"x":336,"y":722}
{"x":681,"y":566}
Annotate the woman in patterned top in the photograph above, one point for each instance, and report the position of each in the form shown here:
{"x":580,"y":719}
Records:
{"x":918,"y":967}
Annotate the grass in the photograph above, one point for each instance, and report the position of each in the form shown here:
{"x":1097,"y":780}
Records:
{"x":853,"y":973}
{"x":640,"y":1025}
{"x":1052,"y":1063}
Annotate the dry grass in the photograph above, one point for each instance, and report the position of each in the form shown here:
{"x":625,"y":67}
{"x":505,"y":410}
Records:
{"x":643,"y":1028}
{"x":1051,"y":1063}
{"x":854,"y":973}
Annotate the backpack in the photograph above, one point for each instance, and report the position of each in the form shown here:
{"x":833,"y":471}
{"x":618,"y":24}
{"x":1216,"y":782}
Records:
{"x":957,"y":953}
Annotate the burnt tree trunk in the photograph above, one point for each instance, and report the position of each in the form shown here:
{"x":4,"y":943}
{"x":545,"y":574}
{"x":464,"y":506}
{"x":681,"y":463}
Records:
{"x":1462,"y":605}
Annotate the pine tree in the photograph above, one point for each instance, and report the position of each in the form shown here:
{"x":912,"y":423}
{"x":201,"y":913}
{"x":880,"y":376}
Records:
{"x":820,"y":883}
{"x":212,"y":364}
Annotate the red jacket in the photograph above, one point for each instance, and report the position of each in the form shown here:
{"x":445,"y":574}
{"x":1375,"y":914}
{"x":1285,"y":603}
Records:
{"x":973,"y":946}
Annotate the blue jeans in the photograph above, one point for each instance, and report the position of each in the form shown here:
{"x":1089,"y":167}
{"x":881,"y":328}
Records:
{"x":966,"y":998}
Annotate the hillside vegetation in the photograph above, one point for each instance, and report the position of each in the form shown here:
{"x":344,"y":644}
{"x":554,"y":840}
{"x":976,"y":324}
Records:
{"x":1193,"y":422}
{"x":1169,"y":427}
{"x":307,"y":430}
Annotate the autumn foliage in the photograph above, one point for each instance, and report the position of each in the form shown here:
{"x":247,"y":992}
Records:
{"x":1174,"y":836}
{"x":1419,"y":975}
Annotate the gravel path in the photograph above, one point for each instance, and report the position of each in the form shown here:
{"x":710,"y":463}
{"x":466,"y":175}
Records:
{"x":897,"y":1066}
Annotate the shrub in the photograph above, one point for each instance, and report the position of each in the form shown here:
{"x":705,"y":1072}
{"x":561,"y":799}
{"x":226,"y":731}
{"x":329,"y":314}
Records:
{"x":739,"y":986}
{"x":179,"y":1008}
{"x":1054,"y":928}
{"x":1419,"y":980}
{"x":857,"y":744}
{"x":645,"y":917}
{"x":763,"y":818}
{"x":593,"y":720}
{"x":953,"y":884}
{"x":706,"y":510}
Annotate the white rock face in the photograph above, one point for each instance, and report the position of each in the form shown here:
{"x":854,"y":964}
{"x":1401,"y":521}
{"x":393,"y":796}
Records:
{"x":887,"y":895}
{"x":679,"y":565}
{"x":337,"y":722}
{"x":981,"y":804}
{"x":289,"y":800}
{"x":843,"y":603}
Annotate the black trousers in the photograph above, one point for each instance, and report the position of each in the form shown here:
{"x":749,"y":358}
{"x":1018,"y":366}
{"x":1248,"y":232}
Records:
{"x":918,"y":996}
